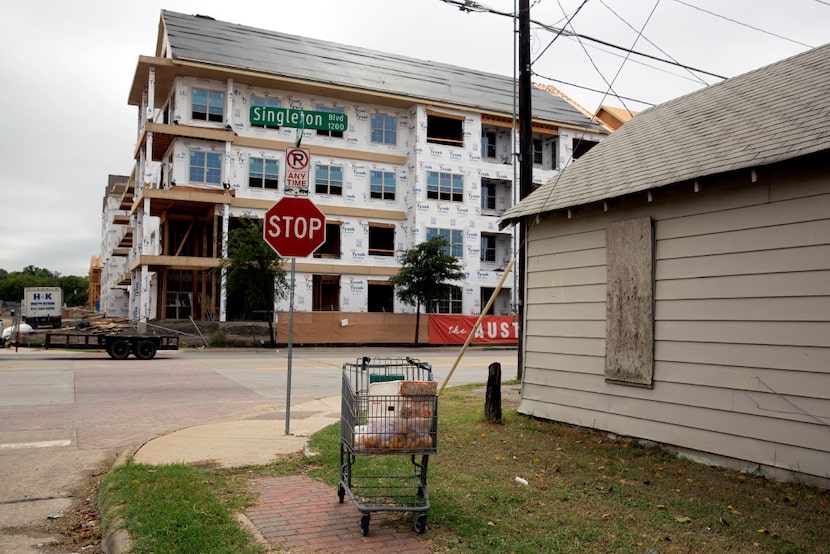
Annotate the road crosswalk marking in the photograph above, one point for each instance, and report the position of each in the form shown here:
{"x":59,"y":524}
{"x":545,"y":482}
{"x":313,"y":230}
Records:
{"x":35,"y":444}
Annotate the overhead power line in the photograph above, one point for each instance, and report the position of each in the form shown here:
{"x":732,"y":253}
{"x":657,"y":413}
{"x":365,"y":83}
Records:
{"x":608,"y":84}
{"x":589,"y":89}
{"x":471,"y":5}
{"x":742,"y":24}
{"x":559,"y":32}
{"x":694,"y":79}
{"x":639,"y":35}
{"x":618,"y":16}
{"x":627,"y":50}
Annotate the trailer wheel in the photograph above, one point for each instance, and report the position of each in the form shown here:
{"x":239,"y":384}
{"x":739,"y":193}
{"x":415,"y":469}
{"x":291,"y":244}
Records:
{"x":118,"y":349}
{"x":145,"y":349}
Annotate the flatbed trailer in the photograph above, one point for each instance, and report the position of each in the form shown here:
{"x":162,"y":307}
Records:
{"x":119,"y":347}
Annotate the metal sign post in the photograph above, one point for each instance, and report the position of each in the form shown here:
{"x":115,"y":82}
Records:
{"x":294,"y":227}
{"x":290,"y":347}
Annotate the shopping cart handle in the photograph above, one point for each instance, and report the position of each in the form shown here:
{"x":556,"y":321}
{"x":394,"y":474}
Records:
{"x":421,"y":365}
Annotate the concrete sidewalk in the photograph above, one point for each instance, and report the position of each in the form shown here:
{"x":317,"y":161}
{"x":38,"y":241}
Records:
{"x":293,"y":513}
{"x":254,"y":441}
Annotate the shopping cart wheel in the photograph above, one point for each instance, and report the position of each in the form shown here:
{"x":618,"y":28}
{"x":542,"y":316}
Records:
{"x":341,"y":493}
{"x":364,"y":524}
{"x":421,"y":524}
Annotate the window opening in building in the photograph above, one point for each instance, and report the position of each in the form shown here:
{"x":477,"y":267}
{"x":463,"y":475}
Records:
{"x":266,"y":102}
{"x":328,"y":179}
{"x":331,"y":247}
{"x":581,"y":147}
{"x":538,"y":152}
{"x":384,"y":129}
{"x":337,"y":134}
{"x":486,"y":293}
{"x":450,"y":304}
{"x":207,"y":105}
{"x":446,"y":130}
{"x":488,"y":248}
{"x":382,"y":185}
{"x":325,"y":290}
{"x":445,"y":186}
{"x":205,"y":167}
{"x":263,"y":173}
{"x":488,"y":144}
{"x":183,"y":235}
{"x":381,"y":297}
{"x":554,"y":153}
{"x":381,"y":239}
{"x":454,"y":238}
{"x":488,"y":195}
{"x":179,"y":305}
{"x":178,"y":301}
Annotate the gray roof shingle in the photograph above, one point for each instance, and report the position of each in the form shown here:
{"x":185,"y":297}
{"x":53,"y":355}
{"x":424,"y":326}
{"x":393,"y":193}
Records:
{"x":769,"y":115}
{"x":205,"y":40}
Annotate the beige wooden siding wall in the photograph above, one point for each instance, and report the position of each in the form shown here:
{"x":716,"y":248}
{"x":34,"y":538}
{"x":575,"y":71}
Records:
{"x":742,"y":323}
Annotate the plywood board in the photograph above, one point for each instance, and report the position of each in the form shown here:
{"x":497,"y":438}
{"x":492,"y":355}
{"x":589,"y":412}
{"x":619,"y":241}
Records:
{"x":629,"y":354}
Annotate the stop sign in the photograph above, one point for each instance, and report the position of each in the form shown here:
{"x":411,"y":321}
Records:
{"x":294,"y":227}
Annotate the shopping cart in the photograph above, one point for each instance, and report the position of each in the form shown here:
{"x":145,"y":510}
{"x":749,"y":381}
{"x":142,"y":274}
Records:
{"x":388,"y":429}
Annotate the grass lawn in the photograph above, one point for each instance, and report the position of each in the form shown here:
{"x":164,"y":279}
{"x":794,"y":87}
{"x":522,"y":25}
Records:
{"x":585,"y":492}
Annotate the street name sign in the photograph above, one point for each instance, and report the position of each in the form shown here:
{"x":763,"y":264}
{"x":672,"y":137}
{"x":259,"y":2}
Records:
{"x":300,"y":119}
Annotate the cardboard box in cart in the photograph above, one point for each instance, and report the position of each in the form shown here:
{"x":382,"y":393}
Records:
{"x":42,"y":307}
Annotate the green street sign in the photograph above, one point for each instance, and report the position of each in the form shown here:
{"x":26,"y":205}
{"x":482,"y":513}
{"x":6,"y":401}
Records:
{"x":300,"y":119}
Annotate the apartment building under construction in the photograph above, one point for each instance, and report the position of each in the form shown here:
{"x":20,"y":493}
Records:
{"x":428,"y":150}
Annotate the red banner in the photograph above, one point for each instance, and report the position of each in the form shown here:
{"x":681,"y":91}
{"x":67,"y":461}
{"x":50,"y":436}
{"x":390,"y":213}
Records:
{"x":454,"y":329}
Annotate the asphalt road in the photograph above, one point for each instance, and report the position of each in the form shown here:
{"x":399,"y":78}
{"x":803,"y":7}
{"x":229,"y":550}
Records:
{"x":66,"y":415}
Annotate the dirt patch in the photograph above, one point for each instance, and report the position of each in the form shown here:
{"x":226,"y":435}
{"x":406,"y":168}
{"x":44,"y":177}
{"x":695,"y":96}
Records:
{"x":80,"y":526}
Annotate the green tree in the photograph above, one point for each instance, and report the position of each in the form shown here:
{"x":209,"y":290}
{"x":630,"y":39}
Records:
{"x":42,"y":273}
{"x":426,"y":273}
{"x":75,"y":290}
{"x":255,"y":274}
{"x":12,"y":283}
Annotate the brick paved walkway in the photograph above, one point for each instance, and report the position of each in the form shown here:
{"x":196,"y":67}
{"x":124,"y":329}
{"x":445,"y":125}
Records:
{"x":298,"y":514}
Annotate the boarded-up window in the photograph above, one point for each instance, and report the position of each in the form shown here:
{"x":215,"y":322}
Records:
{"x":629,"y":345}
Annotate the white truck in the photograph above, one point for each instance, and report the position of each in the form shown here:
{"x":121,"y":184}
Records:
{"x":42,"y":307}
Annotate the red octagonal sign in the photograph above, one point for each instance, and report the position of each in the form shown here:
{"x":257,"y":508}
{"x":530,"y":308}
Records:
{"x":294,"y":227}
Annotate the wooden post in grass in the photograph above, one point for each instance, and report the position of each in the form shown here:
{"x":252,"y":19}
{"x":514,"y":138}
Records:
{"x":492,"y":401}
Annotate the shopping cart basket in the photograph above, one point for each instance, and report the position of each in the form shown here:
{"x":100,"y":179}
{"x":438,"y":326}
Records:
{"x":388,"y":429}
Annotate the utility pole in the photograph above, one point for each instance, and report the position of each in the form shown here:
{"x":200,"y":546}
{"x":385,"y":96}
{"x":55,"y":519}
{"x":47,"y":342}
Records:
{"x":525,"y":162}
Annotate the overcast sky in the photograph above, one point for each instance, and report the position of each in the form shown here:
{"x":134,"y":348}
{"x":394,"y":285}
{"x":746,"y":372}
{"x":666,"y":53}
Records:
{"x":67,"y":68}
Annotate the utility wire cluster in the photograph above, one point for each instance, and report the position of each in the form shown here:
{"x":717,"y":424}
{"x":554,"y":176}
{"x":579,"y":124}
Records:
{"x":567,"y":30}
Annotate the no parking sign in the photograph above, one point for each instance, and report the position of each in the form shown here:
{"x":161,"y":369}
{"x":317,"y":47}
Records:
{"x":296,"y":174}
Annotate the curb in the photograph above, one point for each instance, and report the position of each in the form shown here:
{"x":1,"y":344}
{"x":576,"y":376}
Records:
{"x":116,"y":540}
